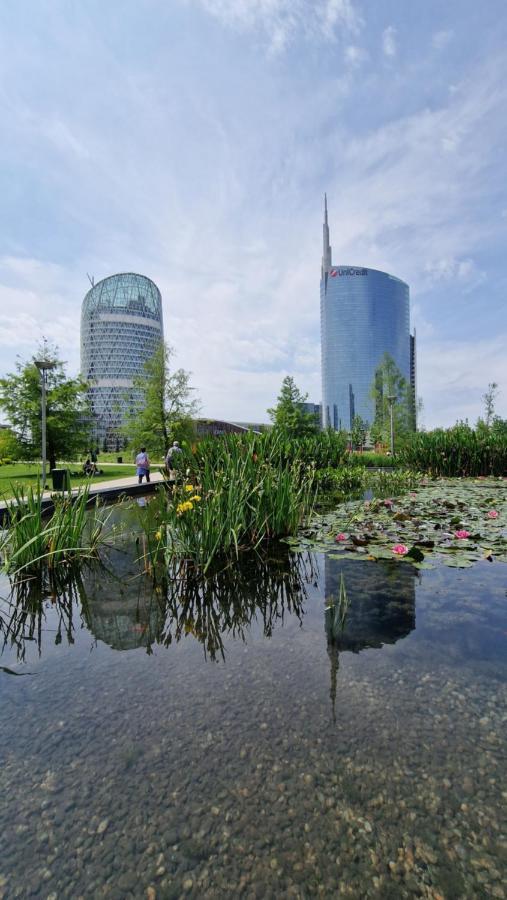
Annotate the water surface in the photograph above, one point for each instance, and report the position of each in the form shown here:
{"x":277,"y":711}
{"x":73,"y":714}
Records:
{"x":264,"y":738}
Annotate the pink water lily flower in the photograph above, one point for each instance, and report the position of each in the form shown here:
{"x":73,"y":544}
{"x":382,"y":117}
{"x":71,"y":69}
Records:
{"x":492,"y":514}
{"x":340,"y":537}
{"x":400,"y":549}
{"x":462,"y":533}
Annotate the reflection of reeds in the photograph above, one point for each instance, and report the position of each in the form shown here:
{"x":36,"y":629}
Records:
{"x":25,"y":622}
{"x":263,"y":589}
{"x":226,"y":603}
{"x":339,"y":608}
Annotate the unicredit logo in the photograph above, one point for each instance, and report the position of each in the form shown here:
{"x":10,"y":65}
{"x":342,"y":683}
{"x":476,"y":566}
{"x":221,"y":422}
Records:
{"x":334,"y":272}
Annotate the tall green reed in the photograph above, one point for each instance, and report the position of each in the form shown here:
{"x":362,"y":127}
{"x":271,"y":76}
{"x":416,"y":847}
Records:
{"x":35,"y":540}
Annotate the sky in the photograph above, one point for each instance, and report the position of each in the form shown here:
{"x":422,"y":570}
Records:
{"x":193,"y":140}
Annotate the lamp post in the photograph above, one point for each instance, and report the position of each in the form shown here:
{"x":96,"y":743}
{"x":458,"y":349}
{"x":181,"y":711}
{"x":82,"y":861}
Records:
{"x":43,"y":366}
{"x":391,"y":399}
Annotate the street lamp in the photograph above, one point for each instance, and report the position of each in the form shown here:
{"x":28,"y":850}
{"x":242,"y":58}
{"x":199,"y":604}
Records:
{"x":391,"y":399}
{"x":43,"y":366}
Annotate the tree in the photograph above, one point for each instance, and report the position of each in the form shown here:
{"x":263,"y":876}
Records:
{"x":67,"y":412}
{"x":167,"y":410}
{"x":289,"y":413}
{"x":358,"y":433}
{"x":390,"y":383}
{"x":489,"y":402}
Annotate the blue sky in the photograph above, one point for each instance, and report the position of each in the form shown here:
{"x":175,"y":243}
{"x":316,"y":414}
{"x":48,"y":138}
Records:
{"x":192,"y":141}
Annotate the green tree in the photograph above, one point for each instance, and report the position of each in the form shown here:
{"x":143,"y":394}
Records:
{"x":168,"y":407}
{"x":9,"y":444}
{"x":390,"y":383}
{"x":489,"y":402}
{"x":358,"y":433}
{"x":289,"y":413}
{"x":67,"y":411}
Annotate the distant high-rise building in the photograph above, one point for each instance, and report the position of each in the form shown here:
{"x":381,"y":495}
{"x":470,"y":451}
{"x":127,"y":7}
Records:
{"x":121,"y":327}
{"x":364,"y":313}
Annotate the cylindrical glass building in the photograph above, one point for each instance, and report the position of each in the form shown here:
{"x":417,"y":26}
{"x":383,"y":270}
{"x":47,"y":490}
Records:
{"x":121,"y":327}
{"x":364,"y":313}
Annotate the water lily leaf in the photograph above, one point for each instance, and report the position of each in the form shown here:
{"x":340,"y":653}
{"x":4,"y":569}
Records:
{"x":457,"y":562}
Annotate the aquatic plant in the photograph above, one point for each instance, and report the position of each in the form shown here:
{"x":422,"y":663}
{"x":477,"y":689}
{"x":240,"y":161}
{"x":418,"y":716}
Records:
{"x":35,"y":541}
{"x":444,"y":520}
{"x":457,"y":451}
{"x":241,"y":502}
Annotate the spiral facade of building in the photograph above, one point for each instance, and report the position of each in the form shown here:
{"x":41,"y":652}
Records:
{"x":121,"y":327}
{"x":364,"y":313}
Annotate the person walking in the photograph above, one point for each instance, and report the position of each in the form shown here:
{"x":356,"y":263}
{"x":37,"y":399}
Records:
{"x":143,"y":465}
{"x":172,"y":456}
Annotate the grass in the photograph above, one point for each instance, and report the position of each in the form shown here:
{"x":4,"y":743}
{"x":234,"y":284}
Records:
{"x":23,"y":476}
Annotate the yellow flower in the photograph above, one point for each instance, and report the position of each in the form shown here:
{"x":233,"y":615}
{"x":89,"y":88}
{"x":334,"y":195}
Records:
{"x":195,"y":498}
{"x":183,"y":507}
{"x":189,"y":487}
{"x":158,"y":535}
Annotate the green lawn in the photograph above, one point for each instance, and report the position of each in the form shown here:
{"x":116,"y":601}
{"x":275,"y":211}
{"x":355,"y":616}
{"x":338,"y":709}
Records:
{"x":26,"y":475}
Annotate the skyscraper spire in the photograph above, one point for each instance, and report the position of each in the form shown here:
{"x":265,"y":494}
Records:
{"x":326,"y":255}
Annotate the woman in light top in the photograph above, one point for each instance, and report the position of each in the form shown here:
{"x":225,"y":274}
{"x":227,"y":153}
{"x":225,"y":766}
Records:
{"x":143,"y":465}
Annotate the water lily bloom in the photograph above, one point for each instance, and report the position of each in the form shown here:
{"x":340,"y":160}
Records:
{"x":400,"y":549}
{"x":340,"y":537}
{"x":462,"y":533}
{"x":492,"y":514}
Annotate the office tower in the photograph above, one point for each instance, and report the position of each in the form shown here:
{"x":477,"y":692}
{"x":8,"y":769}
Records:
{"x":364,"y":313}
{"x":121,"y":327}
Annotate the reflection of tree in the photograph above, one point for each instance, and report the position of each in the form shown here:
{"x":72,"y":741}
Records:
{"x":379,"y":607}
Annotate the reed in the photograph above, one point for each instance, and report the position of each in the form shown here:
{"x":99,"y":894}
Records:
{"x":458,"y":451}
{"x":236,"y":500}
{"x":34,"y":541}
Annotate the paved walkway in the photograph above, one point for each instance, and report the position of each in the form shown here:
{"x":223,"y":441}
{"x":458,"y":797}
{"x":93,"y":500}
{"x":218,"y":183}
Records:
{"x":107,"y":490}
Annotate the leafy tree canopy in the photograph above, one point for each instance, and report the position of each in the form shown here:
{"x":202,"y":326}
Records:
{"x":289,"y":414}
{"x":168,"y":406}
{"x":390,"y":383}
{"x":67,"y":412}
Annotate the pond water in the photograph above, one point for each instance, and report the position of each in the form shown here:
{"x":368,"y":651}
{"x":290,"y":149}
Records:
{"x":287,"y":732}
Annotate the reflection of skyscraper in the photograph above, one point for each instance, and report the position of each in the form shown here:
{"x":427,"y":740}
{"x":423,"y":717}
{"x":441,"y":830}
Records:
{"x":364,"y":313}
{"x":121,"y":327}
{"x":379,"y":607}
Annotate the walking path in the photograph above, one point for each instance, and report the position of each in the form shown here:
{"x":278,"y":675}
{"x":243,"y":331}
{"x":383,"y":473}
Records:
{"x":106,"y":490}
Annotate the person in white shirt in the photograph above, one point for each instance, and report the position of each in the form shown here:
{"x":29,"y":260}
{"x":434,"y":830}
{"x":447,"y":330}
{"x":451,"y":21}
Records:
{"x":143,"y":465}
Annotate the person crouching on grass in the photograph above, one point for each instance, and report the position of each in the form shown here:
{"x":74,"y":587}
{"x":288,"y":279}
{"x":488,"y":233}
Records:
{"x":142,"y":465}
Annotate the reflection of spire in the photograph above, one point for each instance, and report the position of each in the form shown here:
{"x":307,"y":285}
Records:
{"x":326,"y":254}
{"x":334,"y":658}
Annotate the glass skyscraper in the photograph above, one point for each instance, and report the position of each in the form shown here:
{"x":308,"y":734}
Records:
{"x":121,"y":327}
{"x":364,"y":313}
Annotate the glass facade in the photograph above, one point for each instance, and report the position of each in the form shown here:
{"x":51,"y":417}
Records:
{"x":121,"y":327}
{"x":364,"y":313}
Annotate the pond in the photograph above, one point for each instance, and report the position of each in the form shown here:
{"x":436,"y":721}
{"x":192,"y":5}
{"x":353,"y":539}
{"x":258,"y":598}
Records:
{"x":306,"y":726}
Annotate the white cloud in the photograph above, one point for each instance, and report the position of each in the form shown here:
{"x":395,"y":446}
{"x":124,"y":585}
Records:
{"x":454,"y":375}
{"x":283,"y":21}
{"x":441,"y":39}
{"x":389,"y":45}
{"x":355,"y":56}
